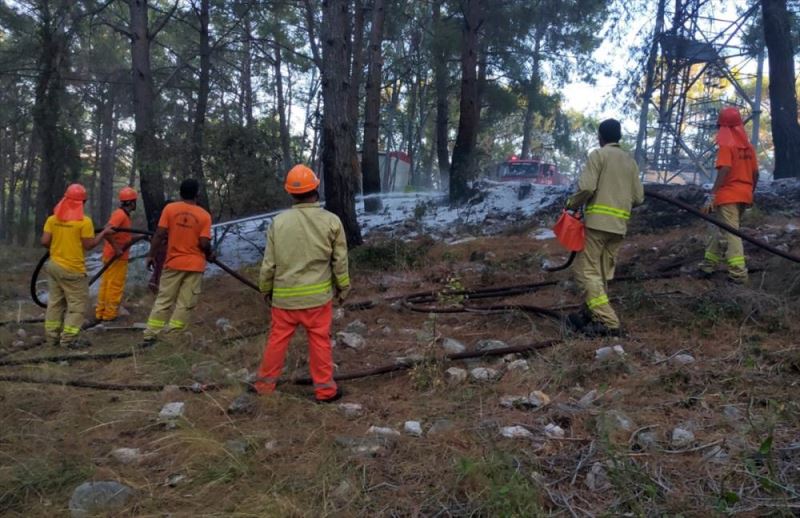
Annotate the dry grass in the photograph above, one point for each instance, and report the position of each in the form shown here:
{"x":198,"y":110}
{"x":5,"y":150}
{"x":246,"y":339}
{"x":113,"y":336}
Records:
{"x":52,"y":437}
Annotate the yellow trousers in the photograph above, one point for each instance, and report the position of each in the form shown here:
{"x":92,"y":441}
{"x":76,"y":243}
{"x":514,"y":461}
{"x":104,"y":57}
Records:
{"x":178,"y":288}
{"x":67,"y":302}
{"x":593,"y":268}
{"x":112,"y":285}
{"x":722,"y":244}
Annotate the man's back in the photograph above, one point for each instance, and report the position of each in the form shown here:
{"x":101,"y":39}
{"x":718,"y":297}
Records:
{"x":614,"y":177}
{"x":186,"y":223}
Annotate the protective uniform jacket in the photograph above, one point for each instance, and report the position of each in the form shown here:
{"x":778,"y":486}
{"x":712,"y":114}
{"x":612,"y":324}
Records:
{"x":609,"y":186}
{"x":305,"y":259}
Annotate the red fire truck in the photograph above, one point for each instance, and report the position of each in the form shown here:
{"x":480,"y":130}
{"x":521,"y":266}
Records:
{"x":533,"y":170}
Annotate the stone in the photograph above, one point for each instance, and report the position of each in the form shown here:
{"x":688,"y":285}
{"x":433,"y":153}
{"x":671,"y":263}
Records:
{"x":717,"y":455}
{"x":172,"y":410}
{"x":682,"y":359}
{"x":413,"y":428}
{"x":597,"y":478}
{"x":607,"y":353}
{"x":587,"y":399}
{"x":175,"y":480}
{"x":490,"y":345}
{"x":731,"y":413}
{"x":18,"y":343}
{"x":105,"y":497}
{"x":271,"y":445}
{"x":516,"y":432}
{"x":21,"y":333}
{"x":383,"y":431}
{"x":453,"y":346}
{"x":208,"y":372}
{"x":127,"y":455}
{"x":681,"y":438}
{"x":538,"y":399}
{"x":351,"y":410}
{"x":387,"y":331}
{"x":243,"y":404}
{"x":614,"y":421}
{"x":356,"y":327}
{"x":364,"y":446}
{"x":351,"y":340}
{"x":441,"y":426}
{"x":554,"y":431}
{"x":223,"y":324}
{"x":338,"y":314}
{"x":484,"y":374}
{"x":237,"y":446}
{"x":455,"y":375}
{"x":646,"y":441}
{"x":514,"y":402}
{"x":519,"y":366}
{"x":411,"y":359}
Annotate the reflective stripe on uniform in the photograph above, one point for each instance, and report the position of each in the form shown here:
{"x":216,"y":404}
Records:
{"x":155,"y":324}
{"x":177,"y":324}
{"x":52,"y":325}
{"x":343,"y":280}
{"x":71,"y":330}
{"x":736,"y":261}
{"x":711,"y":257}
{"x":608,"y":211}
{"x":302,"y":291}
{"x":597,"y":301}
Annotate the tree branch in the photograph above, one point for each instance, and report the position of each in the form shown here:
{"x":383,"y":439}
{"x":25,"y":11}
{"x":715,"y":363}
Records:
{"x":163,"y":21}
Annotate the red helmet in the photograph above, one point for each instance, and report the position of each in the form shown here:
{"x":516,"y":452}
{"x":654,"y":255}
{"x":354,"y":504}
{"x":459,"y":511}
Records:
{"x":301,"y":180}
{"x":127,"y":194}
{"x":730,"y":117}
{"x":75,"y":192}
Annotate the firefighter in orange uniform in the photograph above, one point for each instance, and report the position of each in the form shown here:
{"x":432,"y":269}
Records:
{"x":112,"y":283}
{"x":305,"y":265}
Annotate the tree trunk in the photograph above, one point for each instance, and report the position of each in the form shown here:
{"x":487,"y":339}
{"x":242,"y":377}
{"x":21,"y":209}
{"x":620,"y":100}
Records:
{"x":146,"y":152}
{"x":463,"y":167}
{"x":370,"y":157}
{"x":441,"y":81}
{"x":23,"y":225}
{"x":107,"y":157}
{"x":532,"y":95}
{"x":339,"y":157}
{"x":286,"y":150}
{"x":46,"y":117}
{"x":247,"y":71}
{"x":199,"y":124}
{"x":782,"y":95}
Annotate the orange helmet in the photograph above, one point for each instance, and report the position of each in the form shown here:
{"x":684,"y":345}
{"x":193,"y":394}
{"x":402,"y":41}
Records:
{"x":75,"y":192}
{"x":127,"y":194}
{"x":301,"y":180}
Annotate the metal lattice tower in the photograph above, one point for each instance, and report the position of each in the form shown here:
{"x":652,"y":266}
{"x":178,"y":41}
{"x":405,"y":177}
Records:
{"x":694,"y":68}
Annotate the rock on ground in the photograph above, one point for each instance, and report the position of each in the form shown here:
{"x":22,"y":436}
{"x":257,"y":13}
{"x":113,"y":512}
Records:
{"x":538,"y":399}
{"x":356,"y":327}
{"x":351,"y":410}
{"x":484,"y":374}
{"x":683,"y":359}
{"x":453,"y":346}
{"x":587,"y":399}
{"x":490,"y":345}
{"x":99,"y":498}
{"x":351,"y":340}
{"x":516,"y":432}
{"x":518,"y":365}
{"x":597,"y":478}
{"x":413,"y":428}
{"x":365,"y":446}
{"x":606,"y":353}
{"x":554,"y":431}
{"x":455,"y":375}
{"x":514,"y":402}
{"x":126,"y":455}
{"x":172,"y":410}
{"x":243,"y":404}
{"x":681,"y":438}
{"x":383,"y":431}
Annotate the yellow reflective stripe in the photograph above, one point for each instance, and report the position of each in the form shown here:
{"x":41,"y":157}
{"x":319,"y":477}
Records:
{"x":300,"y":291}
{"x":343,"y":280}
{"x":608,"y":211}
{"x":597,"y":301}
{"x":71,"y":330}
{"x":736,"y":261}
{"x":712,"y":257}
{"x":152,"y":322}
{"x":52,"y":324}
{"x":177,"y":324}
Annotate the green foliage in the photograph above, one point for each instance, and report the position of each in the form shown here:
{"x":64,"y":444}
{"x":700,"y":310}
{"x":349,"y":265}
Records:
{"x":497,"y":486}
{"x":40,"y":478}
{"x":389,"y":254}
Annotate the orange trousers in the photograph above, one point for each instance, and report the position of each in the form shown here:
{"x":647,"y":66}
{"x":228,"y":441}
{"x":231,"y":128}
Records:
{"x":317,"y":322}
{"x":112,"y":286}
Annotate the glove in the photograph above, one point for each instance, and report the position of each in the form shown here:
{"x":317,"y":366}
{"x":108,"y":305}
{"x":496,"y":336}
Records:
{"x":708,"y":206}
{"x":341,"y":296}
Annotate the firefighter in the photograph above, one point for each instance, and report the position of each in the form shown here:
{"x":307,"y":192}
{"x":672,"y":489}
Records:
{"x":737,"y":178}
{"x":609,"y":187}
{"x":188,"y":249}
{"x":305,"y":265}
{"x":112,"y":283}
{"x":67,"y":234}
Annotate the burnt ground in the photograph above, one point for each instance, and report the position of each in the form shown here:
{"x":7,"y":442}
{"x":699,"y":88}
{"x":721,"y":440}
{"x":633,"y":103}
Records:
{"x":738,"y":397}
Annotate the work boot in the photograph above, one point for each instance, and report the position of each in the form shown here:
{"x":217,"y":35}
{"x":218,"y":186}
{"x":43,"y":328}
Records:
{"x":77,"y":343}
{"x":739,"y":281}
{"x":599,"y":329}
{"x":335,"y":397}
{"x":579,"y":320}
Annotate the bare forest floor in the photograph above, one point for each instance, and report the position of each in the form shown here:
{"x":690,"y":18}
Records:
{"x":289,"y":458}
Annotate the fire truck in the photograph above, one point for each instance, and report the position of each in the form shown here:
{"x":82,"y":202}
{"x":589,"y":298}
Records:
{"x":533,"y":170}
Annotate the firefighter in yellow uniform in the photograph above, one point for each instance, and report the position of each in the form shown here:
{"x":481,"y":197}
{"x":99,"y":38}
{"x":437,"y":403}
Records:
{"x":67,"y":234}
{"x":609,"y":187}
{"x":305,"y":265}
{"x":112,"y":283}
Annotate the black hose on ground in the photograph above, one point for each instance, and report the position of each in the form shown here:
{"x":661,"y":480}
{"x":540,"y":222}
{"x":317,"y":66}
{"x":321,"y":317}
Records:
{"x":567,"y":264}
{"x":724,"y":226}
{"x":13,"y":378}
